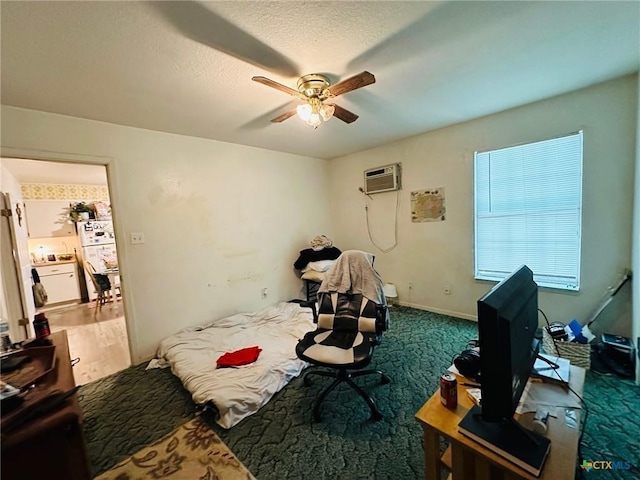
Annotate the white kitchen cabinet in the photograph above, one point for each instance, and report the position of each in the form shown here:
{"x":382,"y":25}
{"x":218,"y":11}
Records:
{"x":60,"y":281}
{"x":48,"y":218}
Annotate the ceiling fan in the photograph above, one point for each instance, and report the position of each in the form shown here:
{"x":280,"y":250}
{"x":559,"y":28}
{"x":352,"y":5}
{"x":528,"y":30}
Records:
{"x":314,"y":89}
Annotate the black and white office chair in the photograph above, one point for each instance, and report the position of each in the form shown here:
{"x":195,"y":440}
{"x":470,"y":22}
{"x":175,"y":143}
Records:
{"x":349,"y":326}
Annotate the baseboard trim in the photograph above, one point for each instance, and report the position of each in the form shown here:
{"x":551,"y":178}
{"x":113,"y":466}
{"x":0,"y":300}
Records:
{"x":441,"y":311}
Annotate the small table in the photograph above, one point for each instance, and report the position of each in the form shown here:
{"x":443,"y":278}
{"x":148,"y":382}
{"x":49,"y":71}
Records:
{"x":111,"y":274}
{"x":466,"y":458}
{"x":52,"y":445}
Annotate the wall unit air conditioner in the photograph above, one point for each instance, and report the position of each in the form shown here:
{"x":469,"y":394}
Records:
{"x":382,"y":179}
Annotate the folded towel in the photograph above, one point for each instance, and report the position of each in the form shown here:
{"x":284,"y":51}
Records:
{"x":353,"y":272}
{"x":240,"y":357}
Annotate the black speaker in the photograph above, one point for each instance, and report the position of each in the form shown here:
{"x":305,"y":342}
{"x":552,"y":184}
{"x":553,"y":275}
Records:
{"x":468,"y":363}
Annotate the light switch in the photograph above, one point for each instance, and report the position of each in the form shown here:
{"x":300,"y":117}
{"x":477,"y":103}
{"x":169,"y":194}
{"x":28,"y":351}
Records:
{"x":137,"y":238}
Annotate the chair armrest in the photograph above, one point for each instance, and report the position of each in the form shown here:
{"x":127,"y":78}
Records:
{"x":312,"y":306}
{"x":382,"y":320}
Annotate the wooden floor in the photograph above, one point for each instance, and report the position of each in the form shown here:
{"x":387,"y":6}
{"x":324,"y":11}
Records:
{"x":97,"y":338}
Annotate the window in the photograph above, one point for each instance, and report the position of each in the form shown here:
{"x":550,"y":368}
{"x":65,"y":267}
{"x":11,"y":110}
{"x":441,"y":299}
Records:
{"x":528,"y":202}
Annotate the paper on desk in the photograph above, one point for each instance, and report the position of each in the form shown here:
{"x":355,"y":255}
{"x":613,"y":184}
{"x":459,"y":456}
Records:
{"x":551,"y":396}
{"x":475,"y":394}
{"x":560,"y":373}
{"x":453,"y":369}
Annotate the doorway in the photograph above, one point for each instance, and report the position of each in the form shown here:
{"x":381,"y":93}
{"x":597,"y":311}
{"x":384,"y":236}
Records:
{"x":58,"y":256}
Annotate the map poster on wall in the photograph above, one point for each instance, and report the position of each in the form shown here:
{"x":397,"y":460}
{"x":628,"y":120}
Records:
{"x":428,"y":205}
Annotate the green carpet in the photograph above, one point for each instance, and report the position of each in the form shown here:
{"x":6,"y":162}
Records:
{"x":131,"y":409}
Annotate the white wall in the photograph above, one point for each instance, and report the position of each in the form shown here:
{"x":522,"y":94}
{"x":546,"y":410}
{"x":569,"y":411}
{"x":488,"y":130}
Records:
{"x":433,"y":254}
{"x":221,"y":221}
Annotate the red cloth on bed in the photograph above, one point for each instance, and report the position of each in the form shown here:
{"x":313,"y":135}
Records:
{"x":243,"y":356}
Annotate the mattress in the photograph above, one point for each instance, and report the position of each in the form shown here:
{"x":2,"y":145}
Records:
{"x":239,"y":392}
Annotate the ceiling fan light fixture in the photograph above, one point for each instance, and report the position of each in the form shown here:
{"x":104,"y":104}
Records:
{"x":304,"y":111}
{"x":326,"y":111}
{"x":313,"y":112}
{"x":314,"y":120}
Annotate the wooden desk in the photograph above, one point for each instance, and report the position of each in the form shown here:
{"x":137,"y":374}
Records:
{"x":51,"y":446}
{"x":467,"y":459}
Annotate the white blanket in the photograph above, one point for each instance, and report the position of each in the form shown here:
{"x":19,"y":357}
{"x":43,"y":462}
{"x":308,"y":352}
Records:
{"x":239,"y":392}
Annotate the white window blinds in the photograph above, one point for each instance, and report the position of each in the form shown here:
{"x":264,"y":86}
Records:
{"x":528,"y":202}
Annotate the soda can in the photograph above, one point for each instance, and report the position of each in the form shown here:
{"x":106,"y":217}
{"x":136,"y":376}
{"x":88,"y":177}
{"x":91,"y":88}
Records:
{"x":41,"y":326}
{"x":449,"y":390}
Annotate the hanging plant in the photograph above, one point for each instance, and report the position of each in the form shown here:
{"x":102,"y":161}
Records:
{"x":81,"y":211}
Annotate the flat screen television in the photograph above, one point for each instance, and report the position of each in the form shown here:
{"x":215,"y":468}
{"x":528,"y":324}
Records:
{"x":507,"y":324}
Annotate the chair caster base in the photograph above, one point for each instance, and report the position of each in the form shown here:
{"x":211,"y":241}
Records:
{"x":345,"y":376}
{"x":375,"y":417}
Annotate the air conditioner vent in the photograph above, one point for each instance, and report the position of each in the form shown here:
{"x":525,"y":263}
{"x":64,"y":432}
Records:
{"x":382,"y":179}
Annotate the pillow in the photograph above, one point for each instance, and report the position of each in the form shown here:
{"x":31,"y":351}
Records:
{"x":313,"y":275}
{"x":319,"y":266}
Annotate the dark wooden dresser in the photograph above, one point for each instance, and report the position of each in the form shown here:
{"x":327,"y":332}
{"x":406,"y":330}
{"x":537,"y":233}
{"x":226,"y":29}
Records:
{"x":51,"y":445}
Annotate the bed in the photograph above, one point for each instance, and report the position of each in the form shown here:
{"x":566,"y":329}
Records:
{"x":236,"y":393}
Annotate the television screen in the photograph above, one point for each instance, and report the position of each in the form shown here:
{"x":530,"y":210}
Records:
{"x":507,"y":323}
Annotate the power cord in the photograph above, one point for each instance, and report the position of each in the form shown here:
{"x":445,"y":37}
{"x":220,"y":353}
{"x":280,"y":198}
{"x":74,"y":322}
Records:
{"x":583,"y":425}
{"x":579,"y":470}
{"x":395,"y":233}
{"x":545,"y":318}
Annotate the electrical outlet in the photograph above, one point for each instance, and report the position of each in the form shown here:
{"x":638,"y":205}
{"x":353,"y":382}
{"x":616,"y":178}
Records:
{"x":446,"y":289}
{"x":137,"y":238}
{"x":410,"y":285}
{"x":264,"y":292}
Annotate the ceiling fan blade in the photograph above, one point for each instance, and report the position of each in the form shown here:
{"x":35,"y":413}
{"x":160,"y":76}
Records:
{"x":352,"y":83}
{"x":284,"y":116}
{"x":278,"y":86}
{"x":343,"y":114}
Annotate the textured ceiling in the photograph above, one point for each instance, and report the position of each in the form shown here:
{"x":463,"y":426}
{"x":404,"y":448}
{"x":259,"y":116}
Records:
{"x":186,"y":67}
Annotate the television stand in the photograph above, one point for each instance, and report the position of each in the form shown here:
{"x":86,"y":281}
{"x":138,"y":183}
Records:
{"x":508,"y":438}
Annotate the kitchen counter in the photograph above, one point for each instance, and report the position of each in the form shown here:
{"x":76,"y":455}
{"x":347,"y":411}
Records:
{"x":46,"y":264}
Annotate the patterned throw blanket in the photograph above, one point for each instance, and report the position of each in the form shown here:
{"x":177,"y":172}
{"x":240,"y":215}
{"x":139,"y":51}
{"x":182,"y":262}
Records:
{"x":193,"y":451}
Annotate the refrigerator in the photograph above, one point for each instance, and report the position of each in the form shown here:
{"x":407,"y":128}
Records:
{"x":98,"y":246}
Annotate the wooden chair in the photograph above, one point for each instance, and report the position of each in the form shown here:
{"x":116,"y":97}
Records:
{"x":101,"y":293}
